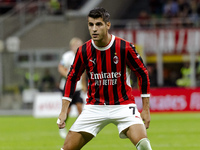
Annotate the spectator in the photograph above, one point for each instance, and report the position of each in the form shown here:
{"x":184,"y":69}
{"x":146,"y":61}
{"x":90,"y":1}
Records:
{"x":152,"y":75}
{"x":55,"y":7}
{"x":28,"y":77}
{"x":185,"y":80}
{"x":48,"y":82}
{"x":156,"y":7}
{"x":193,"y":13}
{"x":184,"y":8}
{"x":170,"y":9}
{"x":144,"y":19}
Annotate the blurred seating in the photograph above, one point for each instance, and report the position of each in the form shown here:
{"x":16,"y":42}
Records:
{"x":6,"y":5}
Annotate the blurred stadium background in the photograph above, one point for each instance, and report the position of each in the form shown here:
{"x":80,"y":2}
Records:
{"x":35,"y":33}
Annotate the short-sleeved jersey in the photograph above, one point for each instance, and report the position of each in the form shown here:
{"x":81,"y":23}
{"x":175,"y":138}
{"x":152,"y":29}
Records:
{"x":66,"y":61}
{"x":106,"y":70}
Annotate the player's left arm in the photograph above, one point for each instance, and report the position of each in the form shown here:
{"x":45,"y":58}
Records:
{"x":135,"y":63}
{"x":145,"y":114}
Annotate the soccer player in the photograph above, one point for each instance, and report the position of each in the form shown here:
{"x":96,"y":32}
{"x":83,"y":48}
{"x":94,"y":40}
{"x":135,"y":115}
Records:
{"x":63,"y":69}
{"x":110,"y":99}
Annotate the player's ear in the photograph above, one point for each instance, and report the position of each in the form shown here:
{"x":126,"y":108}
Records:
{"x":108,"y":25}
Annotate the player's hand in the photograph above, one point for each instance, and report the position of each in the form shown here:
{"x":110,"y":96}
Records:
{"x":61,"y":120}
{"x":145,"y":114}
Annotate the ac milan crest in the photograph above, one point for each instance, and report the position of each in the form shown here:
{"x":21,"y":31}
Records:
{"x":115,"y":59}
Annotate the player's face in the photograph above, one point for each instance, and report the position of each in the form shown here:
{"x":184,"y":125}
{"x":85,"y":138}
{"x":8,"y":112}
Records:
{"x":98,"y":29}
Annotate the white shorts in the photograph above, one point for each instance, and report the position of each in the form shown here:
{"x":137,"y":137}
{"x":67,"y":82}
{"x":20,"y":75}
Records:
{"x":94,"y":117}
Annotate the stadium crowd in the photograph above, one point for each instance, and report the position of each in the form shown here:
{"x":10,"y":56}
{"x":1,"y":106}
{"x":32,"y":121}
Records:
{"x":175,"y":8}
{"x":54,"y":6}
{"x":181,"y":13}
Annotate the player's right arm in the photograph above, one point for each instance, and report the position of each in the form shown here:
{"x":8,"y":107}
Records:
{"x":63,"y":114}
{"x":74,"y":75}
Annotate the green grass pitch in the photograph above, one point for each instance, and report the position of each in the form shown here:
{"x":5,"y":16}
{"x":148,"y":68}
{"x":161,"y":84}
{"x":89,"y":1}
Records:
{"x":172,"y":131}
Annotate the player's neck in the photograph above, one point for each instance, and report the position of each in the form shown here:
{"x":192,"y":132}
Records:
{"x":104,"y":42}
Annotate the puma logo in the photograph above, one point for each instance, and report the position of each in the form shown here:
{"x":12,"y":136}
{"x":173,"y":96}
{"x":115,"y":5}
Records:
{"x":93,"y":61}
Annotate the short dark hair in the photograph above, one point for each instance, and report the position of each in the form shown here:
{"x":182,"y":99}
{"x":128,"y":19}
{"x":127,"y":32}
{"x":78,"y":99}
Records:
{"x":100,"y":12}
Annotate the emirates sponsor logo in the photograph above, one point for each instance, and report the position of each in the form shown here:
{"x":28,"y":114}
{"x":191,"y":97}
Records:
{"x":112,"y":75}
{"x":105,"y":78}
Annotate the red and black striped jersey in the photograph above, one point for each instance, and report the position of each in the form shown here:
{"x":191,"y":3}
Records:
{"x":106,"y":70}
